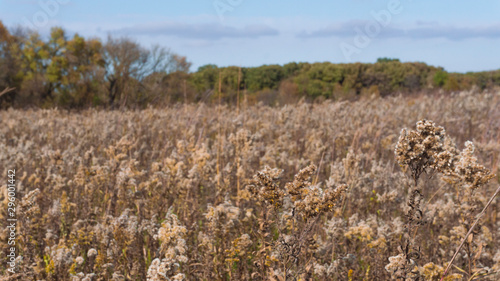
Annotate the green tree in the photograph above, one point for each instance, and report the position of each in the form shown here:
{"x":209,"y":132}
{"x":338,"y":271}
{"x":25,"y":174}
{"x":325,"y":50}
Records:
{"x":440,"y":78}
{"x":35,"y":58}
{"x":84,"y":74}
{"x":263,"y":77}
{"x":385,"y":59}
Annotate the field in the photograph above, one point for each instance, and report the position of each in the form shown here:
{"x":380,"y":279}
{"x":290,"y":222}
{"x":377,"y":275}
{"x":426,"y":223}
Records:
{"x":196,"y":192}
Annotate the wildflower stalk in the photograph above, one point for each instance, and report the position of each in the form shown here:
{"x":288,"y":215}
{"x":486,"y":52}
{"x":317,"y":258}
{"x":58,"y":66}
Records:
{"x":309,"y":202}
{"x":469,"y":232}
{"x":219,"y":134}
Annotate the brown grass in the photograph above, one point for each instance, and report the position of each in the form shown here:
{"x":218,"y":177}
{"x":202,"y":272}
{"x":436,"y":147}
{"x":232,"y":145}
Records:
{"x":157,"y":194}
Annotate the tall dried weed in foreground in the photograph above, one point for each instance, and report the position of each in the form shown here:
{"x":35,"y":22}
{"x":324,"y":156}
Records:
{"x":171,"y":194}
{"x":297,"y":208}
{"x":429,"y":149}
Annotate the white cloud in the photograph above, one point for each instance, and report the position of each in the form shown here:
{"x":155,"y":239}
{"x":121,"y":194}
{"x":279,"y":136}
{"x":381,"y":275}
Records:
{"x":422,"y":30}
{"x":207,"y":31}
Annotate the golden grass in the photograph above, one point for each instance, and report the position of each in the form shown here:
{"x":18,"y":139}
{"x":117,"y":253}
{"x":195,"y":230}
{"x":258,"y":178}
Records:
{"x":171,"y":194}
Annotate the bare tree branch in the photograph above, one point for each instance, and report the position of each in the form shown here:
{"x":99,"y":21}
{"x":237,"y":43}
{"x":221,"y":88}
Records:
{"x":8,"y":89}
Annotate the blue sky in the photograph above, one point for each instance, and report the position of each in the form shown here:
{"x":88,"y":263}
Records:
{"x":457,"y":35}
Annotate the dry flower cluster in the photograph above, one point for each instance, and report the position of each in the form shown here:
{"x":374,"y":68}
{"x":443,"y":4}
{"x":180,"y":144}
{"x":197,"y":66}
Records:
{"x":429,"y":148}
{"x":302,"y":192}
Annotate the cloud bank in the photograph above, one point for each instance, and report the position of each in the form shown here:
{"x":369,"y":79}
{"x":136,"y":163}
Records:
{"x":207,"y":31}
{"x":420,"y":31}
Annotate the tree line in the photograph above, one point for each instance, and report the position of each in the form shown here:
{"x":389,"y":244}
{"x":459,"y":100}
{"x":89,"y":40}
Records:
{"x":78,"y":72}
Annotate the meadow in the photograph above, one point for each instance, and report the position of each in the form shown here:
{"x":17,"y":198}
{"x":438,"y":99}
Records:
{"x":308,"y":191}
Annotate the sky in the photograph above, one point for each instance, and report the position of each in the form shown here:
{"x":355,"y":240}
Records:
{"x":458,"y":35}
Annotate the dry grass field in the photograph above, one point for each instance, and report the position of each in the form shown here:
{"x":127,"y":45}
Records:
{"x":300,"y":192}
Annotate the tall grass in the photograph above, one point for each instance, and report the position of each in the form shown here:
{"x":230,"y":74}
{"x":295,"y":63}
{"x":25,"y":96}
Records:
{"x":302,"y":192}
